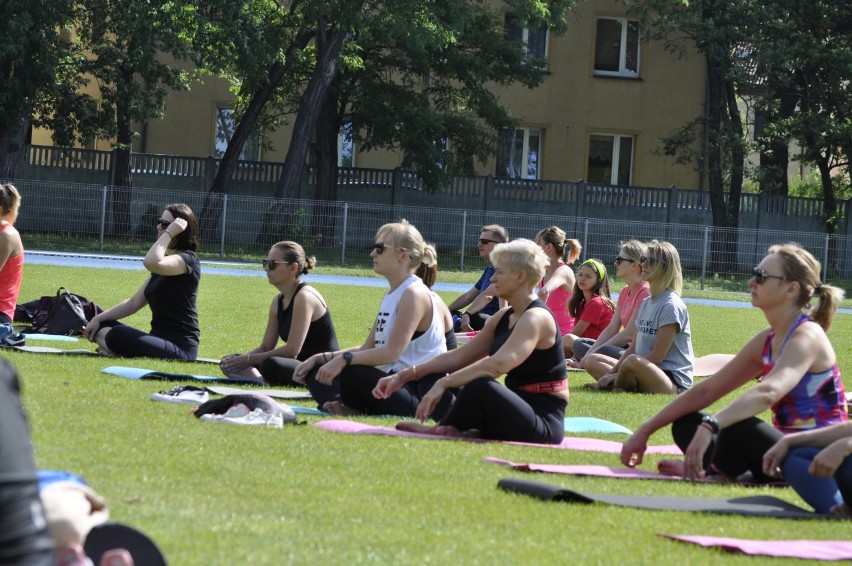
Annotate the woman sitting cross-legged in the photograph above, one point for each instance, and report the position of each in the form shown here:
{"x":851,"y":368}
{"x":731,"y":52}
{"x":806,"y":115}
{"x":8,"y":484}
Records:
{"x":521,"y":341}
{"x":590,"y":304}
{"x":298,"y":316}
{"x":794,"y":363}
{"x":616,"y":337}
{"x":408,"y":330}
{"x":558,"y":282}
{"x":659,"y":359}
{"x":171,"y":291}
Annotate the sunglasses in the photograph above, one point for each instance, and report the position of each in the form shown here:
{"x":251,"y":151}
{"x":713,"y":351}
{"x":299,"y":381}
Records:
{"x":271,"y":264}
{"x":619,"y":259}
{"x":164,"y":223}
{"x":649,"y":260}
{"x":760,"y":276}
{"x":485,"y":242}
{"x":381,"y":246}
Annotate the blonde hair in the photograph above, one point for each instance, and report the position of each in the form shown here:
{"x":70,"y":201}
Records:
{"x":295,"y":253}
{"x":632,"y":250}
{"x":556,"y":236}
{"x":10,"y":198}
{"x":522,"y":255}
{"x":407,"y":238}
{"x":664,"y":264}
{"x":428,"y":268}
{"x":801,"y":266}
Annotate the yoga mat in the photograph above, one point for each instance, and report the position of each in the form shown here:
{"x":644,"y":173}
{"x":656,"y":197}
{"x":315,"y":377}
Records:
{"x":49,"y":350}
{"x":591,"y":424}
{"x":804,"y":549}
{"x":277,"y":393}
{"x":141,"y":373}
{"x":603,"y":472}
{"x":757,"y":505}
{"x":710,"y":364}
{"x":306,"y":410}
{"x":570,"y":443}
{"x":50,"y":337}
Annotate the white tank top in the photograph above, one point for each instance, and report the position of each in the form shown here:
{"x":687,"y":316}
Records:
{"x":428,"y":345}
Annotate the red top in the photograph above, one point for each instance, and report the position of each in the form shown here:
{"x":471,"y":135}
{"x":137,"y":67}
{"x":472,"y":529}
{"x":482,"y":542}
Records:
{"x":10,"y":281}
{"x":598,"y":314}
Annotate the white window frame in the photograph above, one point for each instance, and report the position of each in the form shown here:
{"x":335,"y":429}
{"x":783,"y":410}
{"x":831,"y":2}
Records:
{"x":525,"y":153}
{"x":251,"y":149}
{"x":622,"y":71}
{"x":615,"y":155}
{"x":525,"y":38}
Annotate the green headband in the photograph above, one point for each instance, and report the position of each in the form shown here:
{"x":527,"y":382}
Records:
{"x":597,"y":266}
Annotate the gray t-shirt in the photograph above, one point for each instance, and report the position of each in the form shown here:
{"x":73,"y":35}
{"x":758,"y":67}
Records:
{"x":654,"y":312}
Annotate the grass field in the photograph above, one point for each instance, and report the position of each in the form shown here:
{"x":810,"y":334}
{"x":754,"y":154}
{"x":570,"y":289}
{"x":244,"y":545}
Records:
{"x":217,"y":494}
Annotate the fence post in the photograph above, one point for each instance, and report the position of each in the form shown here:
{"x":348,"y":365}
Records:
{"x":586,"y":234}
{"x":704,"y":252}
{"x":825,"y":259}
{"x":396,"y":186}
{"x":222,"y":229}
{"x":672,"y":208}
{"x":486,"y":191}
{"x":103,"y":216}
{"x":580,"y":205}
{"x":464,"y":231}
{"x":345,"y":227}
{"x":210,"y":170}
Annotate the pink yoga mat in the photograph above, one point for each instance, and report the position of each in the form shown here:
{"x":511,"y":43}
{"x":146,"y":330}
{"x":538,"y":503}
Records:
{"x":597,"y":471}
{"x":569,"y":443}
{"x":805,"y":549}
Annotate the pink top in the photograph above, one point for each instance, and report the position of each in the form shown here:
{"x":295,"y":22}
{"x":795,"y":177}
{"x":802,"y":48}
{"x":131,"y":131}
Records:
{"x":598,"y":314}
{"x":628,"y":302}
{"x":10,"y":281}
{"x":557,"y":302}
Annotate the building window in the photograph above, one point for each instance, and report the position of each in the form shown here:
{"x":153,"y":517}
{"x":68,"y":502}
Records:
{"x":610,"y":159}
{"x":346,"y":146}
{"x":534,"y":39}
{"x":617,"y":47}
{"x":518,"y":153}
{"x":225,"y":127}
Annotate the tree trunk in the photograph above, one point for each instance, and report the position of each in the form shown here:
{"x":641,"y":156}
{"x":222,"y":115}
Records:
{"x":122,"y":180}
{"x":775,"y":157}
{"x":11,"y":145}
{"x":328,"y":127}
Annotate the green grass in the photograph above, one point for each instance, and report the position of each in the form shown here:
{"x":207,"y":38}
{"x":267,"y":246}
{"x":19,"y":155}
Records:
{"x":215,"y":494}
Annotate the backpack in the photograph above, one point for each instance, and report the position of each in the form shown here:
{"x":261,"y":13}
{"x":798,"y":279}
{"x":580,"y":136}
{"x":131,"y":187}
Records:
{"x":65,"y":313}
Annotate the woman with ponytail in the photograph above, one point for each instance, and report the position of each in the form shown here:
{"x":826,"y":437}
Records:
{"x":793,"y":362}
{"x":11,"y":261}
{"x":298,"y":316}
{"x":557,"y":284}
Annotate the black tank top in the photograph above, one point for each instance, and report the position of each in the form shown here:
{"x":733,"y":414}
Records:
{"x":321,"y":335}
{"x":540,"y":365}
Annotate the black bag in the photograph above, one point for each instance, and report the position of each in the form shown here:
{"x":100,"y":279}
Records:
{"x":64,"y":313}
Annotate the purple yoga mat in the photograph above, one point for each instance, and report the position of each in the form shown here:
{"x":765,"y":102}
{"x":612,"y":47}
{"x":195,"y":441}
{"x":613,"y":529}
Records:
{"x":805,"y":549}
{"x":569,"y":443}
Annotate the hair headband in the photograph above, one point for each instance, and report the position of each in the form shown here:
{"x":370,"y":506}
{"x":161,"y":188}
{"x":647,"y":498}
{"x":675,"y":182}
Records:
{"x":597,"y":267}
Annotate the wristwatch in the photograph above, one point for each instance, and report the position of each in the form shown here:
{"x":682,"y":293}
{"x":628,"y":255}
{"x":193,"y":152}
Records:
{"x":347,"y":357}
{"x":712,"y":423}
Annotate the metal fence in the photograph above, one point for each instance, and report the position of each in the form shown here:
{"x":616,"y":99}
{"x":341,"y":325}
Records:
{"x":75,"y":217}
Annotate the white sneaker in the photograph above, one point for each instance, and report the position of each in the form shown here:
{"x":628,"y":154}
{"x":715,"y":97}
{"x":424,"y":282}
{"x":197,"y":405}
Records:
{"x":188,"y":394}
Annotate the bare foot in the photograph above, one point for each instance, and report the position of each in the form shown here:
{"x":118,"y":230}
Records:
{"x":250,"y":374}
{"x":414,"y":426}
{"x":338,"y":408}
{"x":842,"y":510}
{"x":671,"y":467}
{"x":593,"y":386}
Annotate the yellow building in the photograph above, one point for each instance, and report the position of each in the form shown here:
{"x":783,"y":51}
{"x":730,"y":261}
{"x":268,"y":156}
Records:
{"x":606,"y":101}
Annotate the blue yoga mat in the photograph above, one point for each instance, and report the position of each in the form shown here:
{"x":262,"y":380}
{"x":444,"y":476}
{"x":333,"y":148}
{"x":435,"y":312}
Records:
{"x":591,"y":424}
{"x":141,"y":373}
{"x":306,"y":410}
{"x":50,"y":338}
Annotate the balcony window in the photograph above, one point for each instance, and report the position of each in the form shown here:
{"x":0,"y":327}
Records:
{"x":225,"y":127}
{"x":518,"y":153}
{"x":617,"y":47}
{"x":610,"y":159}
{"x":534,"y":39}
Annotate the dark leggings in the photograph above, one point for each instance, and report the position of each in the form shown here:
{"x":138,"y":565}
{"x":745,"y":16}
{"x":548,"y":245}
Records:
{"x":737,"y":449}
{"x":356,"y":392}
{"x":582,"y":346}
{"x":498,"y":412}
{"x":279,"y":371}
{"x":477,"y":321}
{"x":24,"y":538}
{"x":128,"y":342}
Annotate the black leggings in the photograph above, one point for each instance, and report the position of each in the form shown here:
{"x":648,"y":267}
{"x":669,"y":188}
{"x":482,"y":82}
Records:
{"x":277,"y":370}
{"x":498,"y":412}
{"x":24,"y":538}
{"x":737,"y":449}
{"x":128,"y":342}
{"x":477,"y":321}
{"x":356,"y":392}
